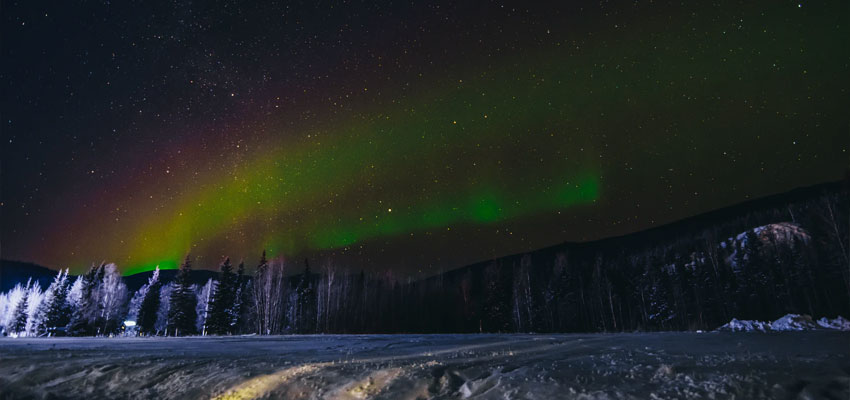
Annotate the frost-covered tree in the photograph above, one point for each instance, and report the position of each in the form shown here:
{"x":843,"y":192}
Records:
{"x":4,"y":307}
{"x":75,"y":294}
{"x":181,"y":313}
{"x":136,"y":303}
{"x":269,"y":295}
{"x":36,"y":296}
{"x":55,"y":310}
{"x":204,"y":294}
{"x":112,"y":300}
{"x":21,"y":313}
{"x":149,"y":306}
{"x":220,"y":309}
{"x":327,"y":295}
{"x":85,"y":302}
{"x":164,"y":307}
{"x":101,"y":300}
{"x":8,"y":304}
{"x":523,"y":302}
{"x":238,"y":311}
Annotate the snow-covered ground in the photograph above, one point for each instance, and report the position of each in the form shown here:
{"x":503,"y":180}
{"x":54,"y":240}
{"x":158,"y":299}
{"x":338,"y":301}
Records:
{"x":813,"y":364}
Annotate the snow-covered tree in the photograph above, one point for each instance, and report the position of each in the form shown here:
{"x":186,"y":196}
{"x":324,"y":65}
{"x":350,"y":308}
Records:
{"x":76,"y":293}
{"x":164,"y":305}
{"x":136,"y":303}
{"x":8,"y":304}
{"x":204,"y":295}
{"x":55,"y":310}
{"x":112,"y":300}
{"x":83,"y":296}
{"x":21,"y":313}
{"x":101,"y":301}
{"x":26,"y":310}
{"x":327,"y":306}
{"x":269,"y":294}
{"x":4,"y":306}
{"x":238,"y":311}
{"x":523,"y":302}
{"x":149,"y":304}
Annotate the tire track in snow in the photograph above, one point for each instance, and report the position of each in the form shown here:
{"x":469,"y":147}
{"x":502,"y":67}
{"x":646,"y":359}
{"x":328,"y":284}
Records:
{"x":376,"y":381}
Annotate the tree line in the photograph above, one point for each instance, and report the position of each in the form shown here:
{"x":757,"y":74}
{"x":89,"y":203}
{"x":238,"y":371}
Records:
{"x":791,"y":258}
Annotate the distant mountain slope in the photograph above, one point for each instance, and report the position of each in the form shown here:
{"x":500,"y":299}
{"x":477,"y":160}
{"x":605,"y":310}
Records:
{"x":683,"y":275}
{"x":726,"y":221}
{"x":12,"y":272}
{"x":758,"y":260}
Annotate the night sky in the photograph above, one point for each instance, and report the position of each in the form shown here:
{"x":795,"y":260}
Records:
{"x":410,"y":137}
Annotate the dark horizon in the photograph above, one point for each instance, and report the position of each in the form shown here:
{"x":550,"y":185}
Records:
{"x":297,"y":261}
{"x":758,"y":260}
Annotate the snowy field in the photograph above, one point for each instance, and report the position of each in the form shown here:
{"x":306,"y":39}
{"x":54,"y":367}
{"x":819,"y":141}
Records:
{"x":645,"y":365}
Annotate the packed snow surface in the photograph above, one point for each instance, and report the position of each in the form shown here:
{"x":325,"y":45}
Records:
{"x":680,"y":365}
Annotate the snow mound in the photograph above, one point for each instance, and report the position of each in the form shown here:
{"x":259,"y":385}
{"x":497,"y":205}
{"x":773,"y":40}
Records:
{"x":793,"y":322}
{"x":737,"y":325}
{"x":839,"y":323}
{"x":790,"y":322}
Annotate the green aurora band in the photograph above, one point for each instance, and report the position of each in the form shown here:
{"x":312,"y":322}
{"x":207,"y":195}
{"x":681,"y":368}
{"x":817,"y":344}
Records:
{"x":463,"y":150}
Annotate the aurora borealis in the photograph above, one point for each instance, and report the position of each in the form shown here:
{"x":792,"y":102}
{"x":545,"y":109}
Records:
{"x":410,"y":137}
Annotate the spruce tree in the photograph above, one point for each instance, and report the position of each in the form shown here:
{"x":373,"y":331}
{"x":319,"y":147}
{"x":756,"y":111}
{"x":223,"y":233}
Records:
{"x":54,"y":311}
{"x":261,"y":296}
{"x":19,"y":319}
{"x":219,"y":318}
{"x":240,"y":300}
{"x":146,"y":319}
{"x":305,"y":313}
{"x":496,"y":306}
{"x":181,"y":311}
{"x":660,"y":312}
{"x":754,"y":278}
{"x":80,"y":324}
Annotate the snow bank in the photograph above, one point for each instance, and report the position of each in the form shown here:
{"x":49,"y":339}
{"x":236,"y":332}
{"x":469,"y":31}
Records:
{"x":789,"y":322}
{"x":736,"y":325}
{"x":793,"y":322}
{"x":839,"y":323}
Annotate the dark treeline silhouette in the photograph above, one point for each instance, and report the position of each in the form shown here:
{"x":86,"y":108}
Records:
{"x":761,"y":260}
{"x":758,"y":260}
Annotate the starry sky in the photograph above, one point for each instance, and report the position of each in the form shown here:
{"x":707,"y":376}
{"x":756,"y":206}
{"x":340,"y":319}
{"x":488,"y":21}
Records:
{"x":413,"y":137}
